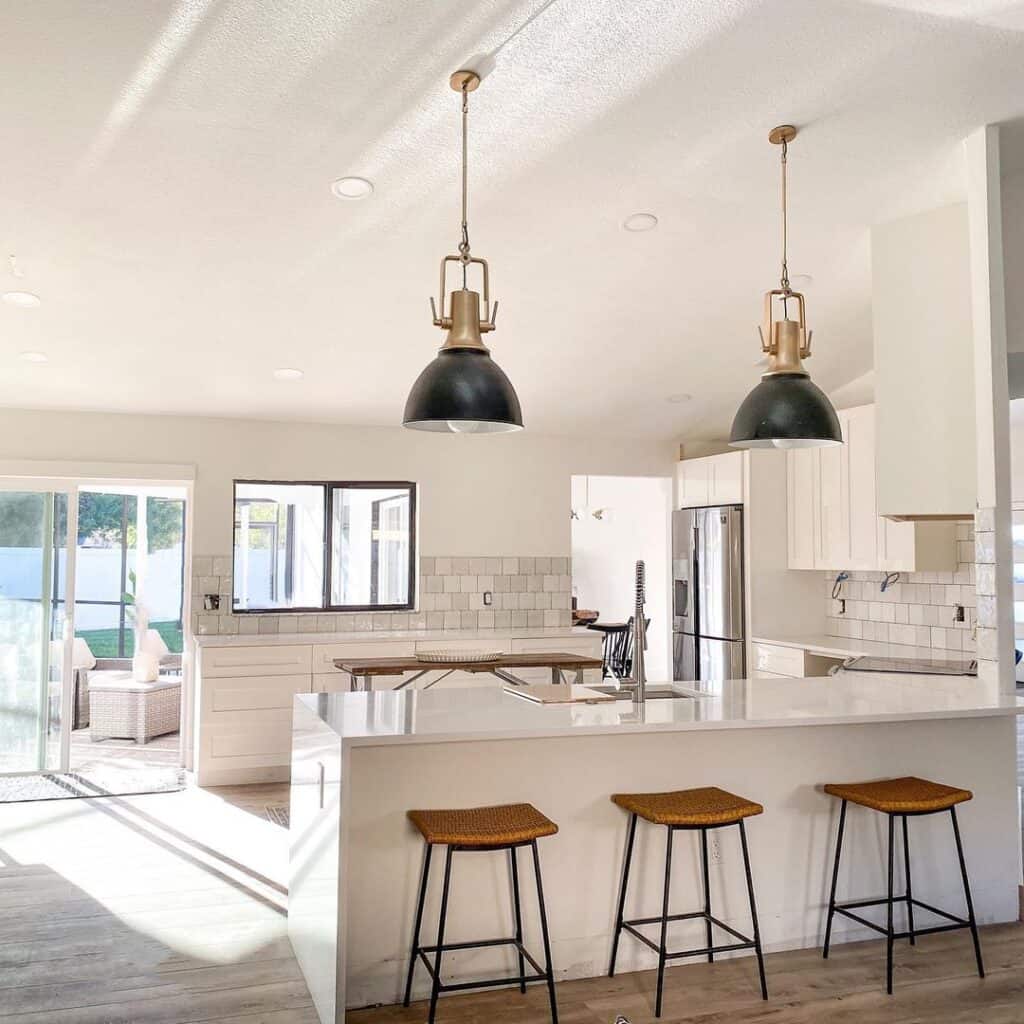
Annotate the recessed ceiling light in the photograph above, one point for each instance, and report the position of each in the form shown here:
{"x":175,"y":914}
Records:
{"x":640,"y":222}
{"x":352,"y":188}
{"x":288,"y":373}
{"x":34,"y":357}
{"x":678,"y":399}
{"x":23,"y":300}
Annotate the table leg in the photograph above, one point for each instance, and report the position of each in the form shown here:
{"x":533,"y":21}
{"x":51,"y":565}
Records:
{"x":353,"y":683}
{"x":579,"y":677}
{"x":556,"y":676}
{"x":367,"y":683}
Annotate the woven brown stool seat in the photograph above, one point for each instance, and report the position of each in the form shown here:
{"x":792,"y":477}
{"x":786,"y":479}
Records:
{"x":901,"y":799}
{"x":900,"y":796}
{"x":500,"y":825}
{"x":689,"y":807}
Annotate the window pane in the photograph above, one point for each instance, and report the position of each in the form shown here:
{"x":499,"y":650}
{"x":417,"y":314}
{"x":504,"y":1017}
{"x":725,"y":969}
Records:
{"x":371,"y":546}
{"x":279,"y":546}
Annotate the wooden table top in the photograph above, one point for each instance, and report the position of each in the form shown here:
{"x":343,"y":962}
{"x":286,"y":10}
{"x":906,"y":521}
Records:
{"x":534,"y":659}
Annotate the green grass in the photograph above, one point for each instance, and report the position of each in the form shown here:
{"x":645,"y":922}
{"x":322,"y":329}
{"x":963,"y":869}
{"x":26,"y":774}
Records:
{"x":103,"y":642}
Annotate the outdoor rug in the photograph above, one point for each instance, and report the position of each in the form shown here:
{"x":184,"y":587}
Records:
{"x":278,"y":814}
{"x":90,"y":782}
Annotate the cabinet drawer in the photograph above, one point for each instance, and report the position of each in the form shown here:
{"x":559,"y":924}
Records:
{"x":585,"y":645}
{"x":273,"y":660}
{"x":324,"y":654}
{"x":249,"y":739}
{"x":779,"y":661}
{"x":252,"y":693}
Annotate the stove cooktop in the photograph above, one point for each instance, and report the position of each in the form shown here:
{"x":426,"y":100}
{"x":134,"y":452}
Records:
{"x":914,"y":666}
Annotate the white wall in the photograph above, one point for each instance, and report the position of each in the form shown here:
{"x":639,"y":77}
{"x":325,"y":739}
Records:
{"x":636,"y":525}
{"x":479,"y":495}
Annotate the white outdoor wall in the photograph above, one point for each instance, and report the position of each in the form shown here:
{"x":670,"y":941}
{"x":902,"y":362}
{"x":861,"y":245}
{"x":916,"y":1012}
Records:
{"x":482,"y":495}
{"x":636,"y":526}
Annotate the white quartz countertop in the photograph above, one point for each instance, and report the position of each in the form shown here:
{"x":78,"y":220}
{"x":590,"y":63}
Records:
{"x":429,"y":635}
{"x":385,"y":717}
{"x":843,"y":647}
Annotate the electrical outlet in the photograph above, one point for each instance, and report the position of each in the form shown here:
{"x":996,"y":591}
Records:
{"x":714,"y":850}
{"x":958,"y":613}
{"x":488,"y":601}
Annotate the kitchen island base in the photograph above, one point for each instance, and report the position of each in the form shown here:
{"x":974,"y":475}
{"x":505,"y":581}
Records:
{"x":356,"y":860}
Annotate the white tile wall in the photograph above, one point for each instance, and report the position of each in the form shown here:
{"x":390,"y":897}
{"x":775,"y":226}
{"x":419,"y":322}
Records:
{"x":919,"y":609}
{"x":524,"y":592}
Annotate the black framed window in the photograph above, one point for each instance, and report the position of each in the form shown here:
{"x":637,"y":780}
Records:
{"x":334,"y":545}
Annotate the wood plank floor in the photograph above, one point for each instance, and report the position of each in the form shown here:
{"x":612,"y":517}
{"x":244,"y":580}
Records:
{"x":170,"y":909}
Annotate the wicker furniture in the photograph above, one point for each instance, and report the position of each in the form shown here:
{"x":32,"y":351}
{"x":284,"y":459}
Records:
{"x":121,"y":708}
{"x":694,"y":810}
{"x":481,"y":829}
{"x":901,"y":798}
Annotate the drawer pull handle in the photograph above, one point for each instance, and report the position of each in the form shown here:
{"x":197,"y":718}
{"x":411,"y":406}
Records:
{"x":322,"y":773}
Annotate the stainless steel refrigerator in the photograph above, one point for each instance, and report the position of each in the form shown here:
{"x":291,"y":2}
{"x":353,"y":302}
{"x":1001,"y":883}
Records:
{"x":708,"y":639}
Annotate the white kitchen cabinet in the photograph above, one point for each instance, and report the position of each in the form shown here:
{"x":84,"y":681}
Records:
{"x":802,"y":507}
{"x":834,"y":501}
{"x":776,"y":661}
{"x":833,"y":523}
{"x":713,"y":480}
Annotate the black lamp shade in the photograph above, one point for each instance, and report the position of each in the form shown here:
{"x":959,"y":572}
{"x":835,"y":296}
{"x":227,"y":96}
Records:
{"x":463,"y":391}
{"x":787,"y":410}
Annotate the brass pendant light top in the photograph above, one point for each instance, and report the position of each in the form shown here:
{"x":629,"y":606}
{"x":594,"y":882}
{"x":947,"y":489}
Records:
{"x":786,"y":410}
{"x":463,"y":390}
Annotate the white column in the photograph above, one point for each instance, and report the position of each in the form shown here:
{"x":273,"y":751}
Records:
{"x":992,"y":408}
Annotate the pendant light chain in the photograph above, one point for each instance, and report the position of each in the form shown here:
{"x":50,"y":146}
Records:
{"x":464,"y":244}
{"x":785,"y":228}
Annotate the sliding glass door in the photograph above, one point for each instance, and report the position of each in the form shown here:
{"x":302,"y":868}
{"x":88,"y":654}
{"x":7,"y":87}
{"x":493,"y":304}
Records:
{"x":36,"y":570}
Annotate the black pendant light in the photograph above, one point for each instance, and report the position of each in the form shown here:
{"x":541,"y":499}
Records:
{"x":786,"y":410}
{"x":463,"y":390}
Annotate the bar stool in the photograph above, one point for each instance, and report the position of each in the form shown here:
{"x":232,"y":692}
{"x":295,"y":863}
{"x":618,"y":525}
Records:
{"x":692,"y":810}
{"x":901,"y":798}
{"x":477,"y":830}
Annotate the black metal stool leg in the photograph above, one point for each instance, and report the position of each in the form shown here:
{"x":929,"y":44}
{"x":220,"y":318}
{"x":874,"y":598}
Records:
{"x":622,"y":893}
{"x":888,"y":906}
{"x":548,"y":967}
{"x":416,"y":926}
{"x":435,"y":989}
{"x":910,"y":891}
{"x":519,"y":915}
{"x":664,"y":921}
{"x":835,"y":879}
{"x":967,"y":894}
{"x":707,"y":891}
{"x":753,"y":911}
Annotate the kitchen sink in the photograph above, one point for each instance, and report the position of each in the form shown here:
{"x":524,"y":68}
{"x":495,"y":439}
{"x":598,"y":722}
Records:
{"x":653,"y":692}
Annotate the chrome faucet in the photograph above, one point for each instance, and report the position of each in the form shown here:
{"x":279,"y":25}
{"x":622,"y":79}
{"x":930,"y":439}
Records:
{"x":637,"y":680}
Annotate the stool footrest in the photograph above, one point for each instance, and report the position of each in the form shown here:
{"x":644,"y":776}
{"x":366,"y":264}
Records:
{"x":846,"y":910}
{"x":698,"y":915}
{"x":517,"y":979}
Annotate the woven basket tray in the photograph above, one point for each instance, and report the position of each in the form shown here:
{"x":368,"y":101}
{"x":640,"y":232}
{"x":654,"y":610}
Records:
{"x":446,"y":657}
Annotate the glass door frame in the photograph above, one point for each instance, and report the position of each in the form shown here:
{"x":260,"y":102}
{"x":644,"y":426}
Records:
{"x":71,"y":478}
{"x":69,"y":489}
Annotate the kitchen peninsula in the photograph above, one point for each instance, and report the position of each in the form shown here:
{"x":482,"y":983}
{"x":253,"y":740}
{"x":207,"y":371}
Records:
{"x":361,"y":760}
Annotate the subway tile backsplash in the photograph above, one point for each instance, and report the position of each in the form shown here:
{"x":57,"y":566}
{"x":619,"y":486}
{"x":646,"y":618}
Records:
{"x":919,"y":610}
{"x":525,"y":592}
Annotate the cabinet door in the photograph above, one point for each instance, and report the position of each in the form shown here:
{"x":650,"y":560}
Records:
{"x":726,"y":479}
{"x":802,"y":504}
{"x":693,"y":478}
{"x":859,"y":435}
{"x":834,"y":534}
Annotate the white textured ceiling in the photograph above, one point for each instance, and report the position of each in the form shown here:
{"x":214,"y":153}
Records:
{"x":166,"y":167}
